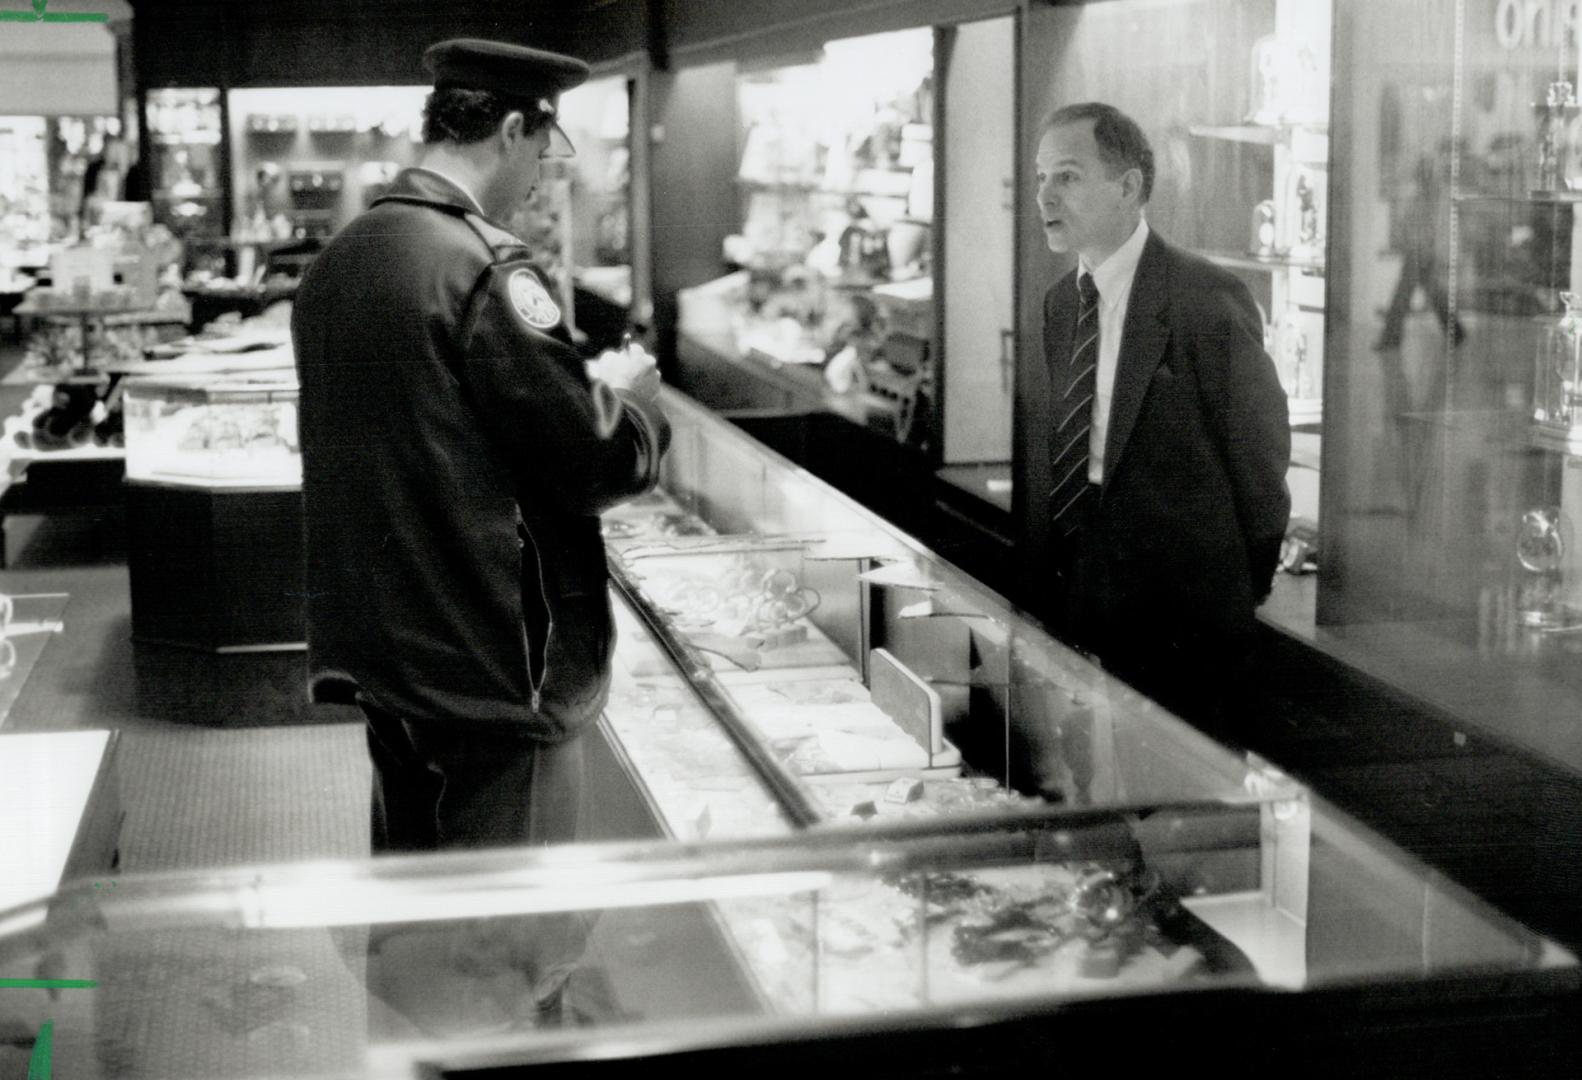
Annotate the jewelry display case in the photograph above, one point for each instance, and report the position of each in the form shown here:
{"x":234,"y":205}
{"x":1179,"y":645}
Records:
{"x":238,"y":429}
{"x":863,"y":675}
{"x":892,"y":809}
{"x":979,"y":944}
{"x":214,"y":509}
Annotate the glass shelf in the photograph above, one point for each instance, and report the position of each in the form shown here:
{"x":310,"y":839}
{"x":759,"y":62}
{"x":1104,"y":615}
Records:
{"x":1240,"y":260}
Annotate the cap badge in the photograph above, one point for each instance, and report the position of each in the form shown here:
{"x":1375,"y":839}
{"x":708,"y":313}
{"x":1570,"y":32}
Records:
{"x":532,"y":301}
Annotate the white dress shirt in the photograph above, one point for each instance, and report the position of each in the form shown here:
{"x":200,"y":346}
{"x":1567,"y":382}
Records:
{"x":465,"y":190}
{"x":1113,"y":277}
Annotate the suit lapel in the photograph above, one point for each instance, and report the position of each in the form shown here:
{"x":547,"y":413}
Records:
{"x":1142,"y":348}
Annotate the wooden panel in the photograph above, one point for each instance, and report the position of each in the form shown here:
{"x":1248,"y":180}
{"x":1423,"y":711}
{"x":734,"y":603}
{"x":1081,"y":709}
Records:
{"x":692,"y":183}
{"x":358,"y":42}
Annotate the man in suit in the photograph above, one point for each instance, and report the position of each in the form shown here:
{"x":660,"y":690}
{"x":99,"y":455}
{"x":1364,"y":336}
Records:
{"x":1168,"y":433}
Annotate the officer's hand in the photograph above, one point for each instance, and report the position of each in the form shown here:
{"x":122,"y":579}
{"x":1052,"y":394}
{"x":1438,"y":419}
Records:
{"x":631,"y":369}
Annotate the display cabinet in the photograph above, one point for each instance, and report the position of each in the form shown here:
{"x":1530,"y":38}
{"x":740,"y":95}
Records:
{"x":983,"y":945}
{"x":214,"y":430}
{"x":858,"y":311}
{"x":863,"y":675}
{"x":187,"y":165}
{"x":895,"y":818}
{"x":305,"y":161}
{"x":835,"y":183}
{"x":1452,"y":495}
{"x":214,"y":510}
{"x":1285,"y":236}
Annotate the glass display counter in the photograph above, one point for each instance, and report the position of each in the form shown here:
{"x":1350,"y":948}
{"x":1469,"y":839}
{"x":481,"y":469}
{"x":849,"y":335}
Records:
{"x":213,"y":430}
{"x":214,"y":509}
{"x":901,"y":821}
{"x":1076,"y":924}
{"x":868,"y":678}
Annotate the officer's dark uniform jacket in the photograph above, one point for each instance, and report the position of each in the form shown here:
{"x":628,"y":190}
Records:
{"x":455,"y":459}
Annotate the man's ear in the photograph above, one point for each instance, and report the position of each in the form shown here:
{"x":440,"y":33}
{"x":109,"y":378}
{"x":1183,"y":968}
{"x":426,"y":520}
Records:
{"x":1132,"y":185}
{"x":511,"y":128}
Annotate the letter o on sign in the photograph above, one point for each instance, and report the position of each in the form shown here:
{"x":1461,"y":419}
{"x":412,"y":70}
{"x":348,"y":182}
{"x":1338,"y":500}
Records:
{"x":1508,"y":22}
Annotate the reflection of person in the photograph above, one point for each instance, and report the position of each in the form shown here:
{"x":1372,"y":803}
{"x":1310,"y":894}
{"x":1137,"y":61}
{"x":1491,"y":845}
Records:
{"x":115,"y":175}
{"x":1169,"y":437}
{"x":103,"y":176}
{"x":455,"y":459}
{"x":1420,"y":230}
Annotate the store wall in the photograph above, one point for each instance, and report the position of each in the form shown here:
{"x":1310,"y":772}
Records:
{"x":979,"y":167}
{"x":692,"y":178}
{"x":360,"y":42}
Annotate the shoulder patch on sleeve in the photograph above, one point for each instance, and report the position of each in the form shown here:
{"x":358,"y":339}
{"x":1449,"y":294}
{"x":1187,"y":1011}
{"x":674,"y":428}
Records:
{"x":531,"y":300}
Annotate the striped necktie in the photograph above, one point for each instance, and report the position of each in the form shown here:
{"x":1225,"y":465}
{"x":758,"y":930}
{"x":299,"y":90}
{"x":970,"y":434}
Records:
{"x":1075,"y":409}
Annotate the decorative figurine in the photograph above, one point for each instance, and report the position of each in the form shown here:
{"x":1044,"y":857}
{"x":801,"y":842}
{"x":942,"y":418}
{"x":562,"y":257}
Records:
{"x":1554,"y":115}
{"x":1269,"y":60}
{"x":1557,"y":380}
{"x":1286,"y":84}
{"x":1541,"y":548}
{"x":1302,"y":216}
{"x":864,"y":252}
{"x":1263,"y":229}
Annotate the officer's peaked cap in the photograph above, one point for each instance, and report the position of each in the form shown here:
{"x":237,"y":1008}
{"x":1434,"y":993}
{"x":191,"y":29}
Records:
{"x":515,"y":71}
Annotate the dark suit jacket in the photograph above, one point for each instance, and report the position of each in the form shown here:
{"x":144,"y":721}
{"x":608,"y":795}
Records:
{"x":1185,"y":537}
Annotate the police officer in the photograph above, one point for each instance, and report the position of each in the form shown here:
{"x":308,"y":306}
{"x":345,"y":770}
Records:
{"x":456,"y":456}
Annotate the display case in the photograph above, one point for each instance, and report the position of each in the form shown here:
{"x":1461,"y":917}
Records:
{"x":1453,"y":496}
{"x":186,"y":134}
{"x":304,"y":161}
{"x":1286,"y":235}
{"x":238,"y":429}
{"x":214,"y":510}
{"x":896,"y":818}
{"x":982,"y":945}
{"x":835,"y":185}
{"x":863,"y":675}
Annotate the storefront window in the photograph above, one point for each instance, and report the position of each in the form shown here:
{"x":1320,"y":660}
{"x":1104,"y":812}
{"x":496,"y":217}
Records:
{"x":1453,"y":485}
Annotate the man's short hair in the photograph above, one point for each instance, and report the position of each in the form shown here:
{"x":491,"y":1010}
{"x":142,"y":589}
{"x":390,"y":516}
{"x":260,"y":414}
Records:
{"x":1122,"y":144}
{"x":464,"y":115}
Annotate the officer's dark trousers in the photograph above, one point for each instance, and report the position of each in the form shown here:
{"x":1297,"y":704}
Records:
{"x":444,"y":785}
{"x":452,"y":786}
